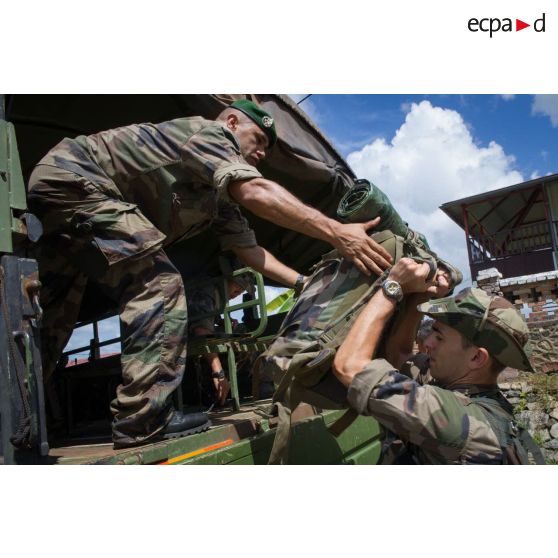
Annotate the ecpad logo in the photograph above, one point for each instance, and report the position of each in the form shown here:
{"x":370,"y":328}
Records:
{"x":494,"y":24}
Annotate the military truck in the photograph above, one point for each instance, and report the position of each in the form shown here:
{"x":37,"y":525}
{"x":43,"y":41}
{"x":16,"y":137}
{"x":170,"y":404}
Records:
{"x":67,"y":421}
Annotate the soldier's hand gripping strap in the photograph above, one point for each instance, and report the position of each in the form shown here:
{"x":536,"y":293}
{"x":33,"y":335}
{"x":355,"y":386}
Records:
{"x":419,"y":250}
{"x":455,"y":274}
{"x":365,"y":201}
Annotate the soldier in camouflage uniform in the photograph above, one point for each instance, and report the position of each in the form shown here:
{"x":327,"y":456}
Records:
{"x":206,"y":300}
{"x":111,"y":202}
{"x":461,"y":418}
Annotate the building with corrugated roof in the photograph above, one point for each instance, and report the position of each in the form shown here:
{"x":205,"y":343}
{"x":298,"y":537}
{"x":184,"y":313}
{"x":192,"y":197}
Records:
{"x":512,"y":239}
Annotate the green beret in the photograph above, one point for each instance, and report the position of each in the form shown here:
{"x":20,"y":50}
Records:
{"x":486,"y":321}
{"x":259,"y":116}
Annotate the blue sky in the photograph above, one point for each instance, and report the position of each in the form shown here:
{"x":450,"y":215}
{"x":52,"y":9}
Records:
{"x":352,"y":121}
{"x":425,"y":150}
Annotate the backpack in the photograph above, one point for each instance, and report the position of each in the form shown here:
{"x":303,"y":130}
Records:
{"x":301,"y":356}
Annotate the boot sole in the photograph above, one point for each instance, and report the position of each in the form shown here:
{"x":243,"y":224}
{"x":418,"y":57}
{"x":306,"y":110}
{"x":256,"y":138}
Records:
{"x":196,"y":430}
{"x":170,"y":436}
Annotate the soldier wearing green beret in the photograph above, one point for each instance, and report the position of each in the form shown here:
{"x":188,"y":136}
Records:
{"x":460,"y":417}
{"x":110,"y":204}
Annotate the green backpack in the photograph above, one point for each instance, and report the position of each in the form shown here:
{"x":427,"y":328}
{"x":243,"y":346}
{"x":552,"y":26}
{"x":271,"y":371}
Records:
{"x":300,"y":358}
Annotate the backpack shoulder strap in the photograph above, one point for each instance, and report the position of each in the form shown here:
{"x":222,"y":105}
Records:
{"x":515,"y":441}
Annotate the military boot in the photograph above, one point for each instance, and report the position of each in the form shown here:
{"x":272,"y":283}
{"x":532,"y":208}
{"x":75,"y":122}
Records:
{"x":179,"y":425}
{"x":182,"y":424}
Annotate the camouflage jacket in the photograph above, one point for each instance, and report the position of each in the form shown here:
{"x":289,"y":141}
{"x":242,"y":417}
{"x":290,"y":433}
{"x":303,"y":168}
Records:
{"x":439,"y":426}
{"x":176,"y":173}
{"x":203,"y":300}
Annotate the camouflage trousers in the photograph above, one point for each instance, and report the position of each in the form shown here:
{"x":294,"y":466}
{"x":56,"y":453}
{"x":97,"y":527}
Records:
{"x":121,"y":251}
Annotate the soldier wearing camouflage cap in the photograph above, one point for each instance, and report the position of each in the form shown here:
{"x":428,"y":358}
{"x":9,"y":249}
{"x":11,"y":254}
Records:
{"x":460,"y":417}
{"x":110,"y":203}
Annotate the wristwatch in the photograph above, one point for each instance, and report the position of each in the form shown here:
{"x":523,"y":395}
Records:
{"x":299,"y":284}
{"x":392,"y":289}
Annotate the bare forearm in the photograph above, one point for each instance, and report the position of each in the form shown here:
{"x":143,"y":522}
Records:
{"x":266,"y":263}
{"x":399,"y":345}
{"x":272,"y":202}
{"x":363,"y":339}
{"x":214,"y":362}
{"x":276,"y":204}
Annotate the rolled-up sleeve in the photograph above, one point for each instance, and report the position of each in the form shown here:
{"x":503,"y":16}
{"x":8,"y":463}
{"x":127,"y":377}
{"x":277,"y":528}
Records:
{"x":226,"y":174}
{"x":213,"y":156}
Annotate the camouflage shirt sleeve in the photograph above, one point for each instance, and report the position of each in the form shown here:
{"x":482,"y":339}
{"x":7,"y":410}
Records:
{"x":203,"y":300}
{"x":231,"y":227}
{"x":439,"y":421}
{"x":213,"y":155}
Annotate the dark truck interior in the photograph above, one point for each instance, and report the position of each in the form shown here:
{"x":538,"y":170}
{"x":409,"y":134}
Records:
{"x":303,"y":161}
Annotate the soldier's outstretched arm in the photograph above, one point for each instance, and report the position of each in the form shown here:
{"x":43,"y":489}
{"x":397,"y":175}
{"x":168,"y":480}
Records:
{"x":267,"y":264}
{"x":272,"y":202}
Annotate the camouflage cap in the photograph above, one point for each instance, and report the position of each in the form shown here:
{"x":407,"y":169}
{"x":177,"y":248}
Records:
{"x":259,"y":116}
{"x":486,"y":321}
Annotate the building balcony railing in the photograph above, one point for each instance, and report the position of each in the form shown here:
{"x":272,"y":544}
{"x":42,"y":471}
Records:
{"x":511,"y":242}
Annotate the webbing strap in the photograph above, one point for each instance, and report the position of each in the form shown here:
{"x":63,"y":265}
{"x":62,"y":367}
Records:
{"x":280,"y":451}
{"x":282,"y":401}
{"x":506,"y":429}
{"x":528,"y":442}
{"x":331,"y":337}
{"x":343,"y":422}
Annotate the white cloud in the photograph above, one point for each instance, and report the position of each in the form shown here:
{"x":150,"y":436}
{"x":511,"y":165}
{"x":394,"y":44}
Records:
{"x":547,"y":105}
{"x":508,"y":97}
{"x":433,"y":159}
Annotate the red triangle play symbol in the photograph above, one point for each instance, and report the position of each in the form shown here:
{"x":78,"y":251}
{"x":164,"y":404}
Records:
{"x":519,"y":25}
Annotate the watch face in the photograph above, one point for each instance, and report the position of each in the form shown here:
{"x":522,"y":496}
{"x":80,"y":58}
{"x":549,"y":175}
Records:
{"x":393,"y":290}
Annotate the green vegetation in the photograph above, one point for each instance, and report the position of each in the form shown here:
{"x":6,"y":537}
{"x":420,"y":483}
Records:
{"x":282,"y":303}
{"x":522,"y":405}
{"x":545,"y":390}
